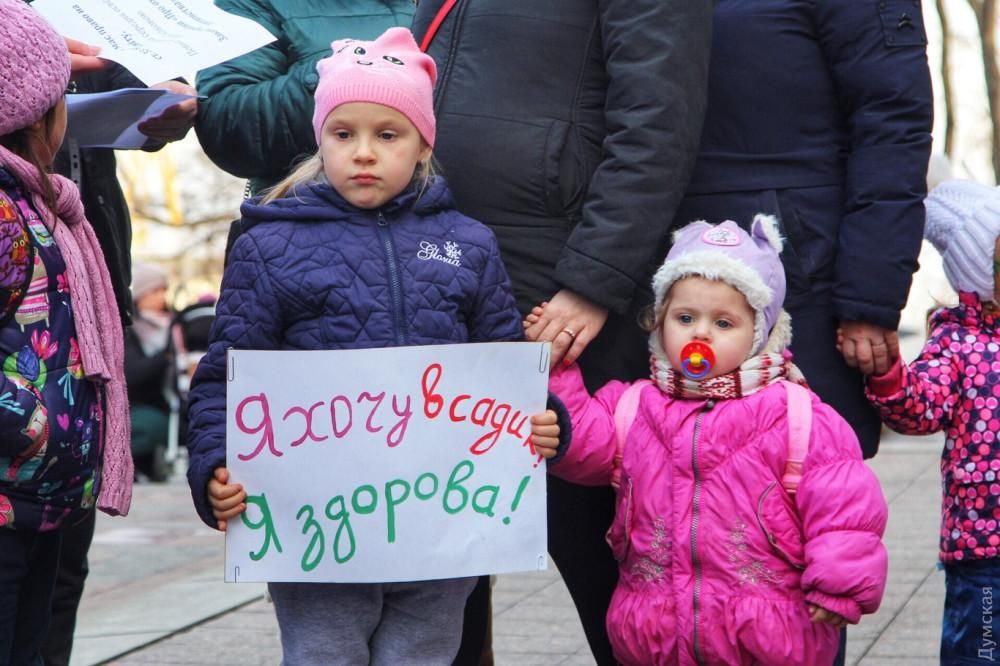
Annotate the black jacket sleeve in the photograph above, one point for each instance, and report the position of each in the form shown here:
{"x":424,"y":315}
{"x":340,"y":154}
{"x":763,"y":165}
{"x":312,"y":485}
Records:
{"x":656,"y":56}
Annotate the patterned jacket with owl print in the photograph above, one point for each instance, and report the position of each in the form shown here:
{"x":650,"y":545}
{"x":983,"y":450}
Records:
{"x":315,"y":272}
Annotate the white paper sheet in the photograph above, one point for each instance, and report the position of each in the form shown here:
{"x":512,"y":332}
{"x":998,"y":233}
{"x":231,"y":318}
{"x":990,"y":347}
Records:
{"x":156,"y":40}
{"x":111,"y":119}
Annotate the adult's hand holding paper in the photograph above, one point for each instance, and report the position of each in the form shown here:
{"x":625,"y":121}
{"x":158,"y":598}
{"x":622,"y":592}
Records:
{"x":111,"y":119}
{"x":156,"y":39}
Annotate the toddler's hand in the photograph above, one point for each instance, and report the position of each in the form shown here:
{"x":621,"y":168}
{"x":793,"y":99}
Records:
{"x":228,"y":500}
{"x":818,"y":614}
{"x":545,"y":433}
{"x":535,"y":314}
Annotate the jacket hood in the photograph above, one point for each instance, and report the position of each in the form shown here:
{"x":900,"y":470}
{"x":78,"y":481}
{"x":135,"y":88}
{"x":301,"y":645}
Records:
{"x":317,"y":201}
{"x":969,"y":312}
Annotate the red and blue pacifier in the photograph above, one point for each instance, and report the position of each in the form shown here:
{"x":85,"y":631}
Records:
{"x":697,"y":360}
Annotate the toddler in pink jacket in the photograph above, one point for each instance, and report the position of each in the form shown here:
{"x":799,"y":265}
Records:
{"x":732,"y":549}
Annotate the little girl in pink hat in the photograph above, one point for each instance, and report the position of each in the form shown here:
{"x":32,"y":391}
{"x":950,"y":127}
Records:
{"x":360,"y":247}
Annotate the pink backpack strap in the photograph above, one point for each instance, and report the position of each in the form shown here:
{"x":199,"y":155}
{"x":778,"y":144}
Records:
{"x":625,"y":412}
{"x":799,"y":429}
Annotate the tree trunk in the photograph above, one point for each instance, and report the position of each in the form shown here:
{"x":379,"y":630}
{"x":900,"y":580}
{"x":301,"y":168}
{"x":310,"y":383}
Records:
{"x":986,"y":18}
{"x":947,"y":89}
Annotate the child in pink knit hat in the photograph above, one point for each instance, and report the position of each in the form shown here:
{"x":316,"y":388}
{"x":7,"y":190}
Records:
{"x":359,"y":247}
{"x":748,"y":529}
{"x":64,"y":429}
{"x":364,"y":86}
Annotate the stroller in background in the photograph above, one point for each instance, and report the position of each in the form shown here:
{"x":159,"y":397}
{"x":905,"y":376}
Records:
{"x":188,"y":343}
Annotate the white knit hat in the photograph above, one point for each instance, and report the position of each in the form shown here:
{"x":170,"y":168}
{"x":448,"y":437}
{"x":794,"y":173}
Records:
{"x":963,"y":222}
{"x":147,"y":278}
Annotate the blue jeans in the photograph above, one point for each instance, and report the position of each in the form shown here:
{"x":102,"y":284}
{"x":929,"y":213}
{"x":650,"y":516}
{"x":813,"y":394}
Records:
{"x":28,"y":564}
{"x":969,"y":630}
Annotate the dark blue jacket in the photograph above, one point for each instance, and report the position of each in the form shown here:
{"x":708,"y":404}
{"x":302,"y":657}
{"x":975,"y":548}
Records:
{"x":820,"y":111}
{"x":314,"y":272}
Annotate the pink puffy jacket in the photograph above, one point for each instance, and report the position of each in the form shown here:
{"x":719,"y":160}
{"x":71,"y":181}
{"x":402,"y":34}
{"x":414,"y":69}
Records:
{"x":700,"y":497}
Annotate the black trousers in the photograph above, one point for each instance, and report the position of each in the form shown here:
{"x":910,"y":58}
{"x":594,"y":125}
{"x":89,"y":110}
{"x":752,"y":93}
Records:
{"x":72,"y":574}
{"x":579,"y":516}
{"x":28,"y":564}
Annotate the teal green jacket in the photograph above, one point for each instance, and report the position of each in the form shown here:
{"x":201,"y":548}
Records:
{"x":257,"y":120}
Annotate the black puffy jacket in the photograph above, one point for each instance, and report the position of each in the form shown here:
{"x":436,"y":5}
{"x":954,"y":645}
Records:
{"x":570,"y":128}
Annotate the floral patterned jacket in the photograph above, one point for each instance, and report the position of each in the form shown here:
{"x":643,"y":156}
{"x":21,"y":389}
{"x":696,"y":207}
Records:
{"x":50,"y":416}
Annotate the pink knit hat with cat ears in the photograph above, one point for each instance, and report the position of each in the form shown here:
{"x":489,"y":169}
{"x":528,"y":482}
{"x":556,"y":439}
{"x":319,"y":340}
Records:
{"x":392,"y":71}
{"x":747,"y":262}
{"x":34,"y":66}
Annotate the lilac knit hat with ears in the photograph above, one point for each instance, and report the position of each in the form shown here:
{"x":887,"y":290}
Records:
{"x":747,"y":262}
{"x":34,"y":66}
{"x":392,"y":71}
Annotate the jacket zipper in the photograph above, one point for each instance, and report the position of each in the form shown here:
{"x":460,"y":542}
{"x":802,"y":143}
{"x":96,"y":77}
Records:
{"x":695,"y":512}
{"x":771,"y":539}
{"x":395,"y":285}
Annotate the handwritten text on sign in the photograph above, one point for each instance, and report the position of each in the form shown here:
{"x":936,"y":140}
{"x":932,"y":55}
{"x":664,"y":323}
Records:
{"x":386,"y":464}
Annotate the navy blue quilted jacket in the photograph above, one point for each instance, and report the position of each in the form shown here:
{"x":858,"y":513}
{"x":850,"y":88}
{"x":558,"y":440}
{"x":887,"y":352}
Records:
{"x":315,"y":272}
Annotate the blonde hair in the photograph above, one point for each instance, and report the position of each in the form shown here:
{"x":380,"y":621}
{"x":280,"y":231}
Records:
{"x":310,"y":170}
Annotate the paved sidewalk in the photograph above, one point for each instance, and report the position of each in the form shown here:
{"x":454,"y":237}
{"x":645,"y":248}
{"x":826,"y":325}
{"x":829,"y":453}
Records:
{"x":155,"y":594}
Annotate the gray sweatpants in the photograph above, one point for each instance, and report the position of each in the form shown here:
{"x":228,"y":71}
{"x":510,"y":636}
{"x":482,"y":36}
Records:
{"x":329,"y":624}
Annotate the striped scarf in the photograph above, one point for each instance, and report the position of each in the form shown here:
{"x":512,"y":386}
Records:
{"x":753,"y":374}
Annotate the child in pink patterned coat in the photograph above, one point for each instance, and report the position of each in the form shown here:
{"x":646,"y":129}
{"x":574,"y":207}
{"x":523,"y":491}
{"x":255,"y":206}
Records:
{"x":954,"y":386}
{"x":723,"y":558}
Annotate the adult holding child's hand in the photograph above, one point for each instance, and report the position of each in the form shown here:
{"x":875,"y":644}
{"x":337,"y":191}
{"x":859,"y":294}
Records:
{"x":569,"y":321}
{"x":868,"y":347}
{"x":836,"y":147}
{"x":569,"y":129}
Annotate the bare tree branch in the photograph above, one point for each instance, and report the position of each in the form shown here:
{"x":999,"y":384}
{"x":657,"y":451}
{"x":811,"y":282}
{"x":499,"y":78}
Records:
{"x":946,"y":82}
{"x":986,"y":20}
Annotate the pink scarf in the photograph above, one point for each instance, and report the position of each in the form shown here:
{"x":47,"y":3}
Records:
{"x":98,"y":327}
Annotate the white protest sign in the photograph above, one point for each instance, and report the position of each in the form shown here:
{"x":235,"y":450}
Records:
{"x":379,"y":465}
{"x":156,"y":40}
